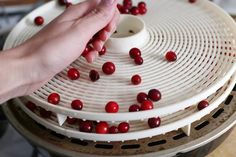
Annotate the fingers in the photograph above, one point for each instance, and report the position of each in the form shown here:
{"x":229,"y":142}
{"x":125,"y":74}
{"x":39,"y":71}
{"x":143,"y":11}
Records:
{"x":102,"y":36}
{"x":98,"y":18}
{"x":91,"y":56}
{"x":79,"y":10}
{"x":110,"y":27}
{"x":93,"y":22}
{"x":105,"y":33}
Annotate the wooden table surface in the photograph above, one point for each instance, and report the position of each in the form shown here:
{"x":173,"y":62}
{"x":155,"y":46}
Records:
{"x":17,"y":2}
{"x":227,"y":148}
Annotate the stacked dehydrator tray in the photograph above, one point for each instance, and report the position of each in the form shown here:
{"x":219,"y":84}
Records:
{"x":204,"y":39}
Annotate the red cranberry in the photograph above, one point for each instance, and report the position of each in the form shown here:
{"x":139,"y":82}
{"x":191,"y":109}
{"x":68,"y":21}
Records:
{"x":154,"y":122}
{"x":171,"y":56}
{"x":141,"y":97}
{"x":94,"y":75}
{"x":62,"y":2}
{"x":154,"y":95}
{"x":86,"y":51}
{"x":103,"y":51}
{"x":77,"y":105}
{"x":31,"y":106}
{"x":68,"y":4}
{"x":86,"y":126}
{"x":54,"y":98}
{"x":124,"y":10}
{"x":119,"y":6}
{"x":142,"y":10}
{"x":138,"y":60}
{"x":203,"y":104}
{"x":134,"y":108}
{"x":123,"y":127}
{"x":136,"y":80}
{"x":146,"y":105}
{"x":44,"y":113}
{"x":134,"y":10}
{"x":108,"y":68}
{"x":71,"y":120}
{"x":112,"y":107}
{"x":73,"y":74}
{"x":192,"y":1}
{"x":39,"y":20}
{"x":102,"y":128}
{"x":113,"y":130}
{"x":135,"y":52}
{"x":127,"y":3}
{"x":142,"y":5}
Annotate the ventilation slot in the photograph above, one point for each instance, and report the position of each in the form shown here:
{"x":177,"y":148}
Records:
{"x":156,"y":143}
{"x":79,"y":142}
{"x":229,"y":99}
{"x":202,"y":125}
{"x":218,"y":113}
{"x":177,"y":137}
{"x":132,"y":146}
{"x":104,"y":146}
{"x":57,"y":135}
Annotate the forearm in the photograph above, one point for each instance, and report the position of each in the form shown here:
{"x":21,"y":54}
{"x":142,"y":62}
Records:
{"x":14,"y":74}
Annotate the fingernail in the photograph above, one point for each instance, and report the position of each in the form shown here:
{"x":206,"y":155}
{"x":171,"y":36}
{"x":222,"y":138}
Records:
{"x":108,"y":2}
{"x":92,"y":58}
{"x":94,"y":55}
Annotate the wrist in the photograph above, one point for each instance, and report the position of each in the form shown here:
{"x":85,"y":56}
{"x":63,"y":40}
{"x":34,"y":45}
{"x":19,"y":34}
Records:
{"x":15,"y":75}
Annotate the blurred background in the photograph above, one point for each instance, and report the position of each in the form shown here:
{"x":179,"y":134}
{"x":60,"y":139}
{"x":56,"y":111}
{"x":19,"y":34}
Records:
{"x":11,"y":11}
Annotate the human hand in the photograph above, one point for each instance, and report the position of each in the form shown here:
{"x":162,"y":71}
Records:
{"x":60,"y":43}
{"x":64,"y":39}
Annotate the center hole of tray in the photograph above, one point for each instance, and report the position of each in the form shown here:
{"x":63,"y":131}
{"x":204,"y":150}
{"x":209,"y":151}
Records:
{"x":128,"y":26}
{"x":131,"y":32}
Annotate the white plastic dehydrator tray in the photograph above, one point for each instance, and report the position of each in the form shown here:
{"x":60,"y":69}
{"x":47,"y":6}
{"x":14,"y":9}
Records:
{"x":202,"y":35}
{"x":138,"y":129}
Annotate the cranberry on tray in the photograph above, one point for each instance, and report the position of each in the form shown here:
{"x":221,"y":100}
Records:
{"x":102,"y":128}
{"x":39,"y":20}
{"x":123,"y":127}
{"x":71,"y":120}
{"x":141,"y":97}
{"x":203,"y":104}
{"x":135,"y":52}
{"x":77,"y":105}
{"x":54,"y":98}
{"x":154,"y":122}
{"x":113,"y":130}
{"x":108,"y":68}
{"x":134,"y":108}
{"x":147,"y":105}
{"x":73,"y":74}
{"x":171,"y":56}
{"x":31,"y":106}
{"x":138,"y":60}
{"x":94,"y":75}
{"x":112,"y":107}
{"x":136,"y":80}
{"x":86,"y":126}
{"x":154,"y":95}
